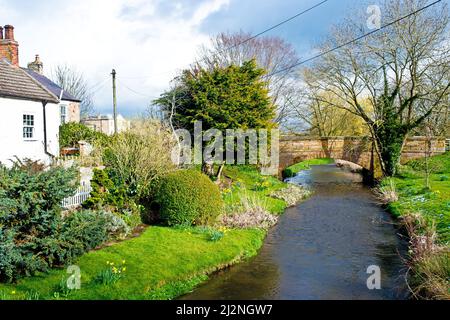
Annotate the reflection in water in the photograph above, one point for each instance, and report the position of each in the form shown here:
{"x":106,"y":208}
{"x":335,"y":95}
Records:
{"x":321,"y":249}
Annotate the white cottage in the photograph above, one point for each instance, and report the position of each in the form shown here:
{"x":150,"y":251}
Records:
{"x":31,"y":107}
{"x":29,"y":117}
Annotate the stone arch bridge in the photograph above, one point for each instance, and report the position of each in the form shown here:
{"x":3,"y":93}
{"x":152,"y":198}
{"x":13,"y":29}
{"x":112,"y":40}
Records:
{"x":294,"y":149}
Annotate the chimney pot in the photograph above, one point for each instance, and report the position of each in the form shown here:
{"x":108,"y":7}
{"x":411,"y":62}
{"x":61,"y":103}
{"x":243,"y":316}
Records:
{"x":37,"y":65}
{"x":9,"y":32}
{"x":9,"y":48}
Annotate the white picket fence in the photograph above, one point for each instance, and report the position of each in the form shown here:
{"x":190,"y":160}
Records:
{"x":82,"y":194}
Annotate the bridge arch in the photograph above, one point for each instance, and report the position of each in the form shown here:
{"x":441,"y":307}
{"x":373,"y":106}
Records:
{"x":358,"y":150}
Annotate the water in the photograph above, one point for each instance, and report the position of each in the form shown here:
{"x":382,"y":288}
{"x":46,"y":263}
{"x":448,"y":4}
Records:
{"x":320,"y":249}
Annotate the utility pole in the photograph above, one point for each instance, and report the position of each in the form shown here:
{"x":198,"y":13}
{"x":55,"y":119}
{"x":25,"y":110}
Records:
{"x":114,"y":100}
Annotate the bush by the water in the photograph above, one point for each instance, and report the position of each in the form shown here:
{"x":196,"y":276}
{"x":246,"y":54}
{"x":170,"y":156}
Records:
{"x":251,"y":212}
{"x":188,"y":197}
{"x":292,"y":195}
{"x":34,"y":236}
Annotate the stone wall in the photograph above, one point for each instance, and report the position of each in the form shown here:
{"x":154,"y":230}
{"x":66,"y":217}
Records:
{"x":294,"y":149}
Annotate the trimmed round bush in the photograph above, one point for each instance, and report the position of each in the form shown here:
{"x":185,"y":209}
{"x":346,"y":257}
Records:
{"x":188,"y":197}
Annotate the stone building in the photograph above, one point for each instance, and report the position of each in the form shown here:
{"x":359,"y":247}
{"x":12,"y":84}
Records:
{"x":105,"y":124}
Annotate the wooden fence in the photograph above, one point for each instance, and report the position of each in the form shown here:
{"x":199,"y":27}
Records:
{"x":82,"y":194}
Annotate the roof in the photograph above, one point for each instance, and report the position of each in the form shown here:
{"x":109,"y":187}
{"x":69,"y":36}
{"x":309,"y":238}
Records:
{"x":16,"y":83}
{"x":51,"y":86}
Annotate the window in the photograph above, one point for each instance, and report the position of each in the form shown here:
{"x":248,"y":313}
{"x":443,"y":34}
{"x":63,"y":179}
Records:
{"x":63,"y":114}
{"x":28,"y":126}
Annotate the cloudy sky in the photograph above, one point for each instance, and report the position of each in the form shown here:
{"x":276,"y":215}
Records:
{"x":147,"y":41}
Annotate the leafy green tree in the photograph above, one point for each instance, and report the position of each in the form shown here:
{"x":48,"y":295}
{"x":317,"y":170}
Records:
{"x":231,"y":97}
{"x":71,"y":133}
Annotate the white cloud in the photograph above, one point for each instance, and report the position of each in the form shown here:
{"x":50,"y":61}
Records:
{"x":144,"y":45}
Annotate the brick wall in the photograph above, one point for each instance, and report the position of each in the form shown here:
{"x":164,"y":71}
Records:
{"x":294,"y":149}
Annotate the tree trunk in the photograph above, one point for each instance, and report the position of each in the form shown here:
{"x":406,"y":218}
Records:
{"x":208,"y":169}
{"x":390,"y":144}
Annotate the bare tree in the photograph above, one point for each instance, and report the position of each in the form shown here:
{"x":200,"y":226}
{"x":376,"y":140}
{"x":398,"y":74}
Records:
{"x":403,"y":71}
{"x":270,"y":53}
{"x":74,"y":82}
{"x":321,"y":118}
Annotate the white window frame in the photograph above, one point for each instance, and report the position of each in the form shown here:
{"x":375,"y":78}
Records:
{"x":61,"y":107}
{"x":29,"y":123}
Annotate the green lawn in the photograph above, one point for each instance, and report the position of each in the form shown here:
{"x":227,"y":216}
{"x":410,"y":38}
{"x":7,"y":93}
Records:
{"x":292,"y":171}
{"x":433,"y":203}
{"x":162,"y":263}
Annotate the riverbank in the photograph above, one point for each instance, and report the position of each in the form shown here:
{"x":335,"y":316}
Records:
{"x":162,"y":263}
{"x":425,"y":212}
{"x":320,"y":249}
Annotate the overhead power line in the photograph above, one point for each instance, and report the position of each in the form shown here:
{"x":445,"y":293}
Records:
{"x":354,"y":40}
{"x":134,"y":91}
{"x":270,"y":28}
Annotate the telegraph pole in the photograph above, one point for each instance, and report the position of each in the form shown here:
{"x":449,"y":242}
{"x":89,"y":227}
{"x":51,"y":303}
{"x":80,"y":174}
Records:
{"x":114,"y":100}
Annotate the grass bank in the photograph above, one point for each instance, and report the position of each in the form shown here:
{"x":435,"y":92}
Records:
{"x":426,"y":214}
{"x":292,"y":171}
{"x":162,"y":263}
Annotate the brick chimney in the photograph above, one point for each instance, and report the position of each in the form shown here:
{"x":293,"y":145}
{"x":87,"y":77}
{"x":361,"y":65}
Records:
{"x":9,"y":47}
{"x":37,"y":65}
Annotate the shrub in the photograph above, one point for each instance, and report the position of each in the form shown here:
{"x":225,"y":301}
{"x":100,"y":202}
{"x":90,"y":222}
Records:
{"x":252,"y":212}
{"x":30,"y":215}
{"x":106,"y":195}
{"x":71,"y":133}
{"x":139,"y":157}
{"x":86,"y":228}
{"x":189,"y":197}
{"x":292,"y":195}
{"x":116,"y":227}
{"x":387,"y":191}
{"x":429,"y":262}
{"x":248,"y":220}
{"x":33,"y":234}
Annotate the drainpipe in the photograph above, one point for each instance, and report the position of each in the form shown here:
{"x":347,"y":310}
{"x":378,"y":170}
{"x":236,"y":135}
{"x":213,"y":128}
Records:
{"x":44,"y":103}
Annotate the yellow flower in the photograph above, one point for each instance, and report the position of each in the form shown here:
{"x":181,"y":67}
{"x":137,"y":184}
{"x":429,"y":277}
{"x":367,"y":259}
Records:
{"x":13,"y":292}
{"x":124,"y":269}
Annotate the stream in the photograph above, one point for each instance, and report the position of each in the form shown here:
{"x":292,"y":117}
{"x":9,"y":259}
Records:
{"x":321,"y":249}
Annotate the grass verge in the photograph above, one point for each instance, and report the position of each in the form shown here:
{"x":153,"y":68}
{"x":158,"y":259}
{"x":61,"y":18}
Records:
{"x":425,"y":211}
{"x":162,"y":263}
